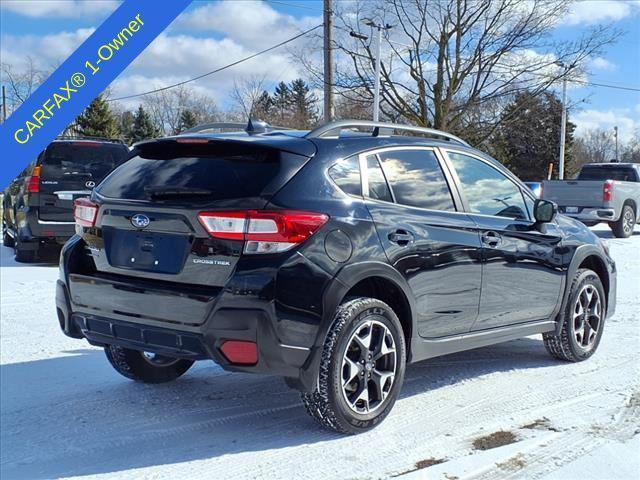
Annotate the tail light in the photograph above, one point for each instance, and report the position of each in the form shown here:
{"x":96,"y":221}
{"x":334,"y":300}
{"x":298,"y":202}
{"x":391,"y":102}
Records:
{"x":541,"y":190}
{"x":85,"y":212}
{"x":263,"y":231}
{"x":33,"y":183}
{"x":607,"y":191}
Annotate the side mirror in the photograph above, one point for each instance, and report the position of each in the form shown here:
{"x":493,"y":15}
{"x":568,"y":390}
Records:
{"x":544,"y":211}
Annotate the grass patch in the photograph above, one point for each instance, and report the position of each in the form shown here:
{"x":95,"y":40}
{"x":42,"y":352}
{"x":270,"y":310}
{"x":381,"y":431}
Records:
{"x":494,"y":440}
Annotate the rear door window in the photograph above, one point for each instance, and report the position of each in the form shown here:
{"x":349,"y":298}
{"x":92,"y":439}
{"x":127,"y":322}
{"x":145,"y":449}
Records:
{"x":377,"y":184}
{"x":416,"y":179}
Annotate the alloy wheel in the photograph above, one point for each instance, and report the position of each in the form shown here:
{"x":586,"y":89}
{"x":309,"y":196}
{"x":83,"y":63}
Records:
{"x":587,"y":317}
{"x":627,"y":221}
{"x":368,"y":367}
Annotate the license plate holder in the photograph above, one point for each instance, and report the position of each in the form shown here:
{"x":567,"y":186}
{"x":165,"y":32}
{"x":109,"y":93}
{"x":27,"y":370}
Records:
{"x":140,"y":250}
{"x":571,"y":209}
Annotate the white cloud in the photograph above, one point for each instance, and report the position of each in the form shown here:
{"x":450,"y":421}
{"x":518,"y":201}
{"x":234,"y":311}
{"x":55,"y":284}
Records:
{"x":606,"y":119}
{"x":251,"y":23}
{"x":600,"y":63}
{"x":182,"y":52}
{"x":59,"y":8}
{"x":591,"y":12}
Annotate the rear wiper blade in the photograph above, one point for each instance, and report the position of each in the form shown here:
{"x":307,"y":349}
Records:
{"x":160,"y":192}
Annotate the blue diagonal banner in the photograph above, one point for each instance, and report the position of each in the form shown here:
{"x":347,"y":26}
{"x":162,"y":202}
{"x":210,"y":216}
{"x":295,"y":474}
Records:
{"x":81,"y":78}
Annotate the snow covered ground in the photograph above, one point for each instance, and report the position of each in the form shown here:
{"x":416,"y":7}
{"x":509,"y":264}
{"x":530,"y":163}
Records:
{"x":66,"y":413}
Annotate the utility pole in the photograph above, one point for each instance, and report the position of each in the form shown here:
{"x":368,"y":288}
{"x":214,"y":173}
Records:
{"x":615,"y":132}
{"x":328,"y":61}
{"x":376,"y":88}
{"x":563,"y":128}
{"x":4,"y":104}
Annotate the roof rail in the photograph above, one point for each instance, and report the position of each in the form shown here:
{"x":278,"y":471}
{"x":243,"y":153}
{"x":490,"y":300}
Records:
{"x":329,"y":128}
{"x":253,"y":127}
{"x":88,"y":137}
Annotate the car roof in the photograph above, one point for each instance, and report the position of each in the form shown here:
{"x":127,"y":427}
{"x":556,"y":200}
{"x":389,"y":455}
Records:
{"x":611,"y":164}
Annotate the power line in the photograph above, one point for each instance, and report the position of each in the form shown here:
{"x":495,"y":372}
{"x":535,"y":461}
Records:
{"x":594,"y":84}
{"x":306,"y":7}
{"x":218,"y":69}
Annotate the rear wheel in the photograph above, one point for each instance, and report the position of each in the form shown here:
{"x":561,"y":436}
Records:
{"x":623,"y":228}
{"x":146,"y":367}
{"x":362,"y":368}
{"x":583,"y":320}
{"x":7,"y":240}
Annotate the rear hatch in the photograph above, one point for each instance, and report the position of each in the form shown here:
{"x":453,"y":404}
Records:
{"x":70,"y":169}
{"x":150,"y":217}
{"x":574,"y":193}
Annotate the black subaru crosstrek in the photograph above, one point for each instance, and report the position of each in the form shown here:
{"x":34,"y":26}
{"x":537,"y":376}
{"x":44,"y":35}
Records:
{"x":331,"y":258}
{"x":38,"y":205}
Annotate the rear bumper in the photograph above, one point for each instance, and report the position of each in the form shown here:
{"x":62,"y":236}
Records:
{"x":32,"y":229}
{"x":196,"y":340}
{"x":594,"y":215}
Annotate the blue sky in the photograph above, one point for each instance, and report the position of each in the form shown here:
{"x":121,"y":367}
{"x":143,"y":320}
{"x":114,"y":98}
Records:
{"x":212,"y":34}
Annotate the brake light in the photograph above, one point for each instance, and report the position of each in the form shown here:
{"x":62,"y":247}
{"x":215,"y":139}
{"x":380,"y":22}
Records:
{"x":263,"y":231}
{"x":607,"y":191}
{"x":192,"y":140}
{"x":33,"y":184}
{"x":85,"y":212}
{"x":86,"y":144}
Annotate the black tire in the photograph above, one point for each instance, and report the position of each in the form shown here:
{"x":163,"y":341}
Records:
{"x":570,"y":345}
{"x":328,"y":404}
{"x":24,"y":255}
{"x":7,"y":240}
{"x":135,"y":365}
{"x":623,"y":228}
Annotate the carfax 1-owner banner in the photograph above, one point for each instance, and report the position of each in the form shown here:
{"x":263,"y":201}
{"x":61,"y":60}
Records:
{"x":81,"y":78}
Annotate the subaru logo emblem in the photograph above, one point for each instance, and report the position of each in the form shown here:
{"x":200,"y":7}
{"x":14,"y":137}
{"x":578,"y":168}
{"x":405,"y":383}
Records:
{"x":139,"y":220}
{"x":90,"y":184}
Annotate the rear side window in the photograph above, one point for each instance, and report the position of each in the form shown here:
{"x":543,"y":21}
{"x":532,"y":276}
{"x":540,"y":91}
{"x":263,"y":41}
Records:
{"x":488,"y":191}
{"x":89,"y":160}
{"x":201,"y":172}
{"x":378,"y":188}
{"x":622,"y":174}
{"x":346,"y":174}
{"x":417,"y":179}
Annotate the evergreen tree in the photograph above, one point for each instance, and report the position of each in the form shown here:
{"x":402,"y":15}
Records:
{"x":282,"y":103}
{"x":303,"y":105}
{"x":263,"y":107}
{"x":187,"y":120}
{"x":143,"y":127}
{"x":529,"y":136}
{"x":97,"y":120}
{"x":125,"y":124}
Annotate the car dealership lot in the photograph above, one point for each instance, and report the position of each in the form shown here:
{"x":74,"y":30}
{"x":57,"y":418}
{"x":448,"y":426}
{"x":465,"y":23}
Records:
{"x":66,"y":413}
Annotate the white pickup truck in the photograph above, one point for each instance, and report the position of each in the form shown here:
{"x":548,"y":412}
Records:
{"x":602,"y":192}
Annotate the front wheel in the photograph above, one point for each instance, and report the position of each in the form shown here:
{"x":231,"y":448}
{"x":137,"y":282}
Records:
{"x":583,"y":320}
{"x":146,"y":367}
{"x":362,"y":368}
{"x":623,"y":228}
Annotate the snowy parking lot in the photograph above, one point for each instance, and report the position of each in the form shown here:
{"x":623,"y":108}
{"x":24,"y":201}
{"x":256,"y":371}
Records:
{"x":66,"y":413}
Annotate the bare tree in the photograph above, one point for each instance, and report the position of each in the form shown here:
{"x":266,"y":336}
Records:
{"x":22,"y":82}
{"x":248,"y":97}
{"x":167,"y":106}
{"x":595,"y":145}
{"x":453,"y":64}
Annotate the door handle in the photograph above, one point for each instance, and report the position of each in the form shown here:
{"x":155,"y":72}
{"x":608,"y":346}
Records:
{"x":491,"y":239}
{"x":401,"y":237}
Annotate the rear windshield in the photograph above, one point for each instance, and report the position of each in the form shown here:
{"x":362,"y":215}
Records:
{"x":624,"y":174}
{"x":87,"y":160}
{"x":196,"y":173}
